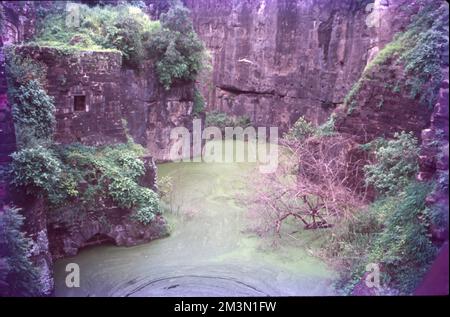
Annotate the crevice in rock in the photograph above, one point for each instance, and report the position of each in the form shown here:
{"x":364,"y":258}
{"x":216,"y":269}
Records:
{"x":237,"y":91}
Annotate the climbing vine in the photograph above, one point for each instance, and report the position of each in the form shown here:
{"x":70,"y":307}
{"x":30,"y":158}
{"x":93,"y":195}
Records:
{"x":32,"y":108}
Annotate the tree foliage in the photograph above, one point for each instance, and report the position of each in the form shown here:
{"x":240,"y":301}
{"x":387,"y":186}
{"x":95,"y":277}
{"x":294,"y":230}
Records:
{"x":301,"y":130}
{"x":33,"y":113}
{"x":124,"y":28}
{"x":36,"y":169}
{"x":32,"y":108}
{"x":18,"y":276}
{"x":170,"y":43}
{"x":404,"y":247}
{"x":394,"y":233}
{"x":114,"y":172}
{"x":177,"y":49}
{"x":396,"y":162}
{"x":222,"y":120}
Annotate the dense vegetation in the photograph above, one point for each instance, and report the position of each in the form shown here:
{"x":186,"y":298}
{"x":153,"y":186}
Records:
{"x":303,"y":129}
{"x":107,"y":173}
{"x":396,"y":163}
{"x":394,"y":230}
{"x":393,"y":233}
{"x":178,"y":51}
{"x":122,"y":28}
{"x":170,"y":43}
{"x":18,"y":276}
{"x":32,"y":108}
{"x":53,"y":172}
{"x":422,"y":50}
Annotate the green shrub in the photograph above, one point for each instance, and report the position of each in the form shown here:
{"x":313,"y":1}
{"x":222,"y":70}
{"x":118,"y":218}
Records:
{"x":349,"y":247}
{"x":109,"y":172}
{"x":173,"y":45}
{"x":113,"y":172}
{"x":428,"y":41}
{"x":199,"y":102}
{"x":392,"y":233}
{"x":223,"y":120}
{"x":327,"y":128}
{"x":18,"y":276}
{"x":38,"y":170}
{"x":404,"y":248}
{"x":32,"y":109}
{"x":396,"y":163}
{"x":301,"y":130}
{"x":304,"y":129}
{"x":124,"y":28}
{"x":33,"y":112}
{"x":178,"y":51}
{"x":22,"y":69}
{"x":149,"y":206}
{"x":218,"y":119}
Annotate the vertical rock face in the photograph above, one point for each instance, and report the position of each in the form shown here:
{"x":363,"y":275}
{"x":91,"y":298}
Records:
{"x":381,"y":112}
{"x":86,"y":91}
{"x":70,"y":230}
{"x":275,"y":60}
{"x":99,"y":102}
{"x":20,"y":19}
{"x":434,"y":158}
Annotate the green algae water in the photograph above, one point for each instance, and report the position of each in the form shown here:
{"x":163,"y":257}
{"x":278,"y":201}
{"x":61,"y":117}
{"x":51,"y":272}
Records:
{"x":209,"y":252}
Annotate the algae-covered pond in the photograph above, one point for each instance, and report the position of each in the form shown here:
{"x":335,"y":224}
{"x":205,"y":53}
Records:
{"x":209,"y":253}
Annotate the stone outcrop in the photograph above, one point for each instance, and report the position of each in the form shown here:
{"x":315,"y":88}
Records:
{"x":379,"y":111}
{"x":117,"y":101}
{"x":275,"y":60}
{"x":70,"y":230}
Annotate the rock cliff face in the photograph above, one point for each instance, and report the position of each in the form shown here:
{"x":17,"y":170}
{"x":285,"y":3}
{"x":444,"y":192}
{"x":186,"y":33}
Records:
{"x":275,"y":60}
{"x":272,"y":60}
{"x":99,"y":102}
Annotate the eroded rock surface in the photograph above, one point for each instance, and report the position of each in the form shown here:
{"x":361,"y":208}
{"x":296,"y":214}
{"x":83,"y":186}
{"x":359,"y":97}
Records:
{"x":275,"y":60}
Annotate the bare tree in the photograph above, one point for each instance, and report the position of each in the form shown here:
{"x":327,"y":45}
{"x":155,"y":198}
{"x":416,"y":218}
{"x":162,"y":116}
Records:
{"x":317,"y":180}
